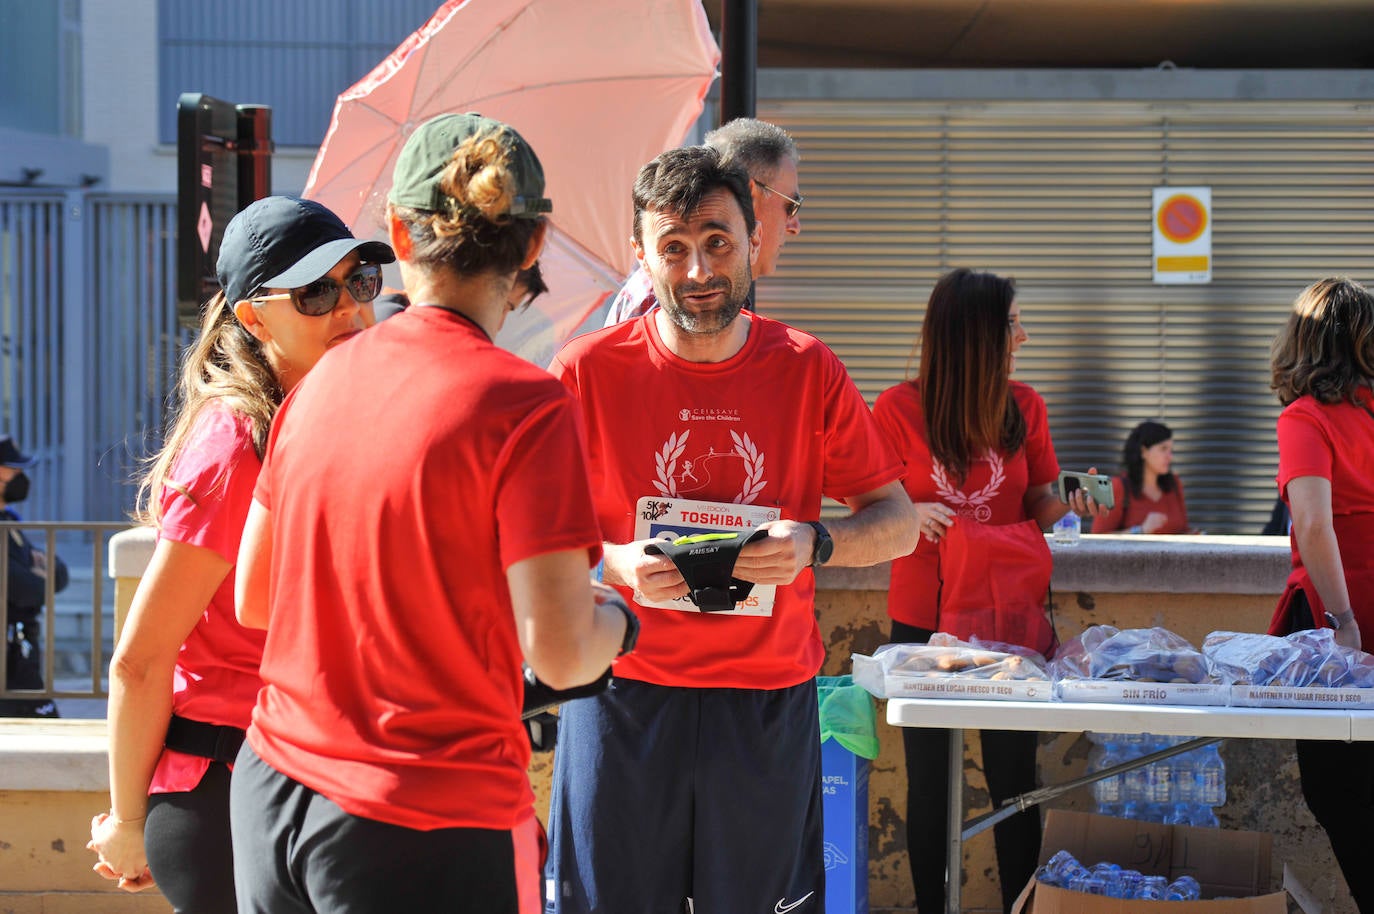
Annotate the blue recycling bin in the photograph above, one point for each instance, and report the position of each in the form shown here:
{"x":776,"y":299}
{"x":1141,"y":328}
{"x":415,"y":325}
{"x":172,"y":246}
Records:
{"x":848,"y":722}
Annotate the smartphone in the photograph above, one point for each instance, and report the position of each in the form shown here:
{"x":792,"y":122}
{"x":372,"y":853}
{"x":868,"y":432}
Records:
{"x":1096,"y":485}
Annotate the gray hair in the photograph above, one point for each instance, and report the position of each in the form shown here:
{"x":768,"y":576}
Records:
{"x":756,"y":146}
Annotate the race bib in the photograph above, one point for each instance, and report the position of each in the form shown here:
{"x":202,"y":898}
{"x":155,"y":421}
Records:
{"x":657,"y":517}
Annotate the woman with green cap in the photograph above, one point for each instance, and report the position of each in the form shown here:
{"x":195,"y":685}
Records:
{"x":424,"y":519}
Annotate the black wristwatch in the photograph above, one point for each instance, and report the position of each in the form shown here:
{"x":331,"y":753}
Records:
{"x":1337,"y":623}
{"x":825,"y":546}
{"x":627,"y":643}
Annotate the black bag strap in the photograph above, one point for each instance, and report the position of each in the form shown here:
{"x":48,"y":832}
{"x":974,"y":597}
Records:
{"x":211,"y":741}
{"x":707,"y":564}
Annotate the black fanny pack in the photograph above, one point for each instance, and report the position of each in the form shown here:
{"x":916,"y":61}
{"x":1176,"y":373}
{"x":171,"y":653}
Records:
{"x":210,"y":741}
{"x":707,"y":563}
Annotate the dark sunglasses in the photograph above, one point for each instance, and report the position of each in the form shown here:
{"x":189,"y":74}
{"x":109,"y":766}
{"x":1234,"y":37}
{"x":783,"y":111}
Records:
{"x":322,"y":295}
{"x":794,"y":204}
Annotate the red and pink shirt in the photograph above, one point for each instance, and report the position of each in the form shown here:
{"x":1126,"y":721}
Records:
{"x":205,"y":504}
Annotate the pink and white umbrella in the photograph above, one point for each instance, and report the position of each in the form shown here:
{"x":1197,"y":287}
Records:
{"x":598,"y":88}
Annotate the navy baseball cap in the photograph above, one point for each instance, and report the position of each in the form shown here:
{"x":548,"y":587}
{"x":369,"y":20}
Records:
{"x":285,"y":242}
{"x":10,"y":455}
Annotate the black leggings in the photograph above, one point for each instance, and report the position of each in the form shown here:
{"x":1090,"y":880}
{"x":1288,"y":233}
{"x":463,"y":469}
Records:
{"x":1009,"y":767}
{"x":1338,"y":784}
{"x":187,"y":841}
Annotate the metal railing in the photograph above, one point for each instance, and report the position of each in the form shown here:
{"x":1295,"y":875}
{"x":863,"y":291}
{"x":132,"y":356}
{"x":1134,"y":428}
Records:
{"x":81,"y":540}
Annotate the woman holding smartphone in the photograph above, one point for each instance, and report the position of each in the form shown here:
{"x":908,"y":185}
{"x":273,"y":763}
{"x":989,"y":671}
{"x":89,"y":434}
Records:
{"x":980,"y":470}
{"x":185,"y":674}
{"x":1149,"y":497}
{"x":1323,"y":372}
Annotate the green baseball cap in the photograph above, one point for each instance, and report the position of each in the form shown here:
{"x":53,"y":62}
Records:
{"x":427,"y":152}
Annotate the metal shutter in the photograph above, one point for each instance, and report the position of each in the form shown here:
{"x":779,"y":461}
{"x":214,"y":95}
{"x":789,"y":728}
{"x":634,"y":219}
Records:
{"x":1057,"y":194}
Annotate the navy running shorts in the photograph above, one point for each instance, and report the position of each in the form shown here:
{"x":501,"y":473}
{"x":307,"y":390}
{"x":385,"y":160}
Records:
{"x":662,"y":793}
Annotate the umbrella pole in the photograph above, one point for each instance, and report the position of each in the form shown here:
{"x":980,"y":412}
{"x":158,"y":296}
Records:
{"x":739,"y":42}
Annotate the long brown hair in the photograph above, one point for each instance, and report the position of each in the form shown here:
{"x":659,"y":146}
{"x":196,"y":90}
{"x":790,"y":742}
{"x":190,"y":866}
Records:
{"x":964,"y":381}
{"x":1326,"y":350}
{"x":225,"y":363}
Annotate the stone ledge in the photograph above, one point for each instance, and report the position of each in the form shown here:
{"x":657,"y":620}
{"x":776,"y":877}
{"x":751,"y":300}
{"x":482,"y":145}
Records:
{"x":129,"y":552}
{"x":1121,"y":563}
{"x":63,"y":755}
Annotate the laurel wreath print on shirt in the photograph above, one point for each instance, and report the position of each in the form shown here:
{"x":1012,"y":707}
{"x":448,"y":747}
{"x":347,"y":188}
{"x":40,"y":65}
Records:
{"x":753,"y":469}
{"x":673,"y":472}
{"x":665,"y":462}
{"x":974,"y":505}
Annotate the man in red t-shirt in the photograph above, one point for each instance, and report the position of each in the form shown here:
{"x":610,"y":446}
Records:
{"x":408,"y":551}
{"x":698,"y":774}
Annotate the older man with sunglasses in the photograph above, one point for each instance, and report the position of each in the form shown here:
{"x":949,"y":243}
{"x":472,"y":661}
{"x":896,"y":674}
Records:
{"x":770,"y":156}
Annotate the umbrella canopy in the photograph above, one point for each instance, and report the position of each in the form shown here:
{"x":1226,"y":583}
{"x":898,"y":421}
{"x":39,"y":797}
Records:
{"x":598,"y":88}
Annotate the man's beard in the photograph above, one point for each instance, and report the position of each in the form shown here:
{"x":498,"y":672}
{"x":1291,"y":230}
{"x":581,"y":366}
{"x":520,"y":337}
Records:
{"x":709,"y":322}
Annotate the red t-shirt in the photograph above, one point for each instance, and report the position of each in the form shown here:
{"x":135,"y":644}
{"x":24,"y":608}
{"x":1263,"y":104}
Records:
{"x":778,"y":424}
{"x":405,"y":474}
{"x":993,"y":493}
{"x":216,"y":677}
{"x":1336,"y":442}
{"x":1170,"y":504}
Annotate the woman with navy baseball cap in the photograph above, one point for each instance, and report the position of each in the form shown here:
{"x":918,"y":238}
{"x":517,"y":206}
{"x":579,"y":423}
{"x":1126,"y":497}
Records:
{"x":185,"y":674}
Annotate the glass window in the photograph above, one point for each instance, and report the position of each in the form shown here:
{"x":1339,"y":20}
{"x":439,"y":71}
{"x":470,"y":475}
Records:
{"x":294,"y":55}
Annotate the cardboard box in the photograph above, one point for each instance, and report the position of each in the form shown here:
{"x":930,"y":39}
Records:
{"x":869,"y":673}
{"x":1125,"y":691}
{"x":1225,"y":863}
{"x":844,"y":807}
{"x":1253,"y":696}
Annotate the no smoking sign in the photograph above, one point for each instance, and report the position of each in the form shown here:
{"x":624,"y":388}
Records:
{"x":1182,"y":226}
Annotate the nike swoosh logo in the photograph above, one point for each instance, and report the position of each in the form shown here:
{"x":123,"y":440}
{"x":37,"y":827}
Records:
{"x":781,"y":908}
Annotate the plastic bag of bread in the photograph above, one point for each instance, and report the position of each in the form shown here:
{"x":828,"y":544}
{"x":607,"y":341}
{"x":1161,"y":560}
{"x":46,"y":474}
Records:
{"x":1250,"y":658}
{"x":1320,"y":660}
{"x":1071,"y":660}
{"x":955,"y":660}
{"x":1304,"y":658}
{"x":1134,"y":654}
{"x":1332,"y":665}
{"x":945,"y":639}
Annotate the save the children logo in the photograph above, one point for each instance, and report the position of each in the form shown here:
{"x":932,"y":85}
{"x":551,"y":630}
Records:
{"x":708,"y":414}
{"x":974,"y":505}
{"x":678,"y":473}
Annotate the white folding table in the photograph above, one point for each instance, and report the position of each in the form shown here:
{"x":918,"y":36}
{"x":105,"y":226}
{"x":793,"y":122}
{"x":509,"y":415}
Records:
{"x":1207,"y":724}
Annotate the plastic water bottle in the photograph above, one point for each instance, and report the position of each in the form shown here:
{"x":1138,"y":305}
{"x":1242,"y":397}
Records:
{"x":1067,"y":528}
{"x":1131,"y":880}
{"x":1061,"y":870}
{"x":1089,"y":885}
{"x":1184,"y":888}
{"x":1134,"y":792}
{"x":1159,"y":783}
{"x":1211,"y":778}
{"x":1112,"y":883}
{"x":1185,"y":777}
{"x":1153,"y":888}
{"x":1107,"y":792}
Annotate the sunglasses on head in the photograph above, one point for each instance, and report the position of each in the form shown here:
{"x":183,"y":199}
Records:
{"x":322,"y":296}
